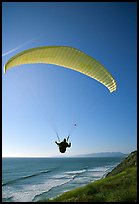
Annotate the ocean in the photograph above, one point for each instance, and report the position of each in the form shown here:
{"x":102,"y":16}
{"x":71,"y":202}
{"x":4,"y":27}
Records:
{"x":33,"y":179}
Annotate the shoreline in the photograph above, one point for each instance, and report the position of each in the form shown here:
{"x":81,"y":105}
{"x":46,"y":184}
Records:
{"x":113,"y":187}
{"x":92,"y":181}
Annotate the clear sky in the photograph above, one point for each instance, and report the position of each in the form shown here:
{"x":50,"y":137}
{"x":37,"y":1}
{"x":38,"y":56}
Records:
{"x":39,"y":99}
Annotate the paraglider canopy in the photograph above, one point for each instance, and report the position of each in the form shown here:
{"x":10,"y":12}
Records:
{"x":67,"y":57}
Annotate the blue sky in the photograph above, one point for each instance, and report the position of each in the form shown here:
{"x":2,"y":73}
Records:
{"x":39,"y":99}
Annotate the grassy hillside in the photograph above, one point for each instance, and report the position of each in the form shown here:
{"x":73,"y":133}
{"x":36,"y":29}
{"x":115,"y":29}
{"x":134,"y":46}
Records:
{"x":118,"y":186}
{"x":130,"y":161}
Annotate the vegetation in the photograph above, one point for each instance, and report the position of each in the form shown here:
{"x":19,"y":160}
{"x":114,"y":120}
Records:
{"x":130,"y":161}
{"x":118,"y":186}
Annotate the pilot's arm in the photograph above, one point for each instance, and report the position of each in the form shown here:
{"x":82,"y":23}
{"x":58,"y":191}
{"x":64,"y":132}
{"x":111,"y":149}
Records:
{"x":57,"y":143}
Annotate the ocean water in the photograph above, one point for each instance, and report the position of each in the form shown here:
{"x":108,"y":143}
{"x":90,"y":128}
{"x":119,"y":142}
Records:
{"x":33,"y":179}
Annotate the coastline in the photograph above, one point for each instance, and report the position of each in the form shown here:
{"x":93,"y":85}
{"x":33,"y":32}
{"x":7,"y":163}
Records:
{"x":112,"y":183}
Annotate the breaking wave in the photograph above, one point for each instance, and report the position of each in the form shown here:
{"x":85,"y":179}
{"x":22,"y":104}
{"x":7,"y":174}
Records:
{"x":25,"y":177}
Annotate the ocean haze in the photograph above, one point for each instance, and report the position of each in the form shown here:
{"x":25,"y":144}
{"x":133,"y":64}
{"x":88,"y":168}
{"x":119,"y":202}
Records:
{"x":104,"y":154}
{"x":98,"y":154}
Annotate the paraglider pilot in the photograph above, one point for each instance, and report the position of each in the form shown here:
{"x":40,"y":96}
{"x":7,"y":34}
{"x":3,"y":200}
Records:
{"x":63,"y":145}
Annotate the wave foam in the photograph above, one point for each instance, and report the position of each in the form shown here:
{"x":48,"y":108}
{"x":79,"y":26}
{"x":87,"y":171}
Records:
{"x":25,"y":177}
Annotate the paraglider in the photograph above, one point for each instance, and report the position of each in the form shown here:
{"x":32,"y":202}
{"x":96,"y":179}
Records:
{"x":67,"y":57}
{"x":64,"y":144}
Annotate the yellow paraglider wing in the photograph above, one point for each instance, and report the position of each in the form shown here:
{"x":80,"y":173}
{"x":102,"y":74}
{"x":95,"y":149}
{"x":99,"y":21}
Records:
{"x":65,"y":56}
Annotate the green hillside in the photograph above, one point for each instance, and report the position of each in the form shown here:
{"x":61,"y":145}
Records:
{"x":118,"y":186}
{"x":130,"y":161}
